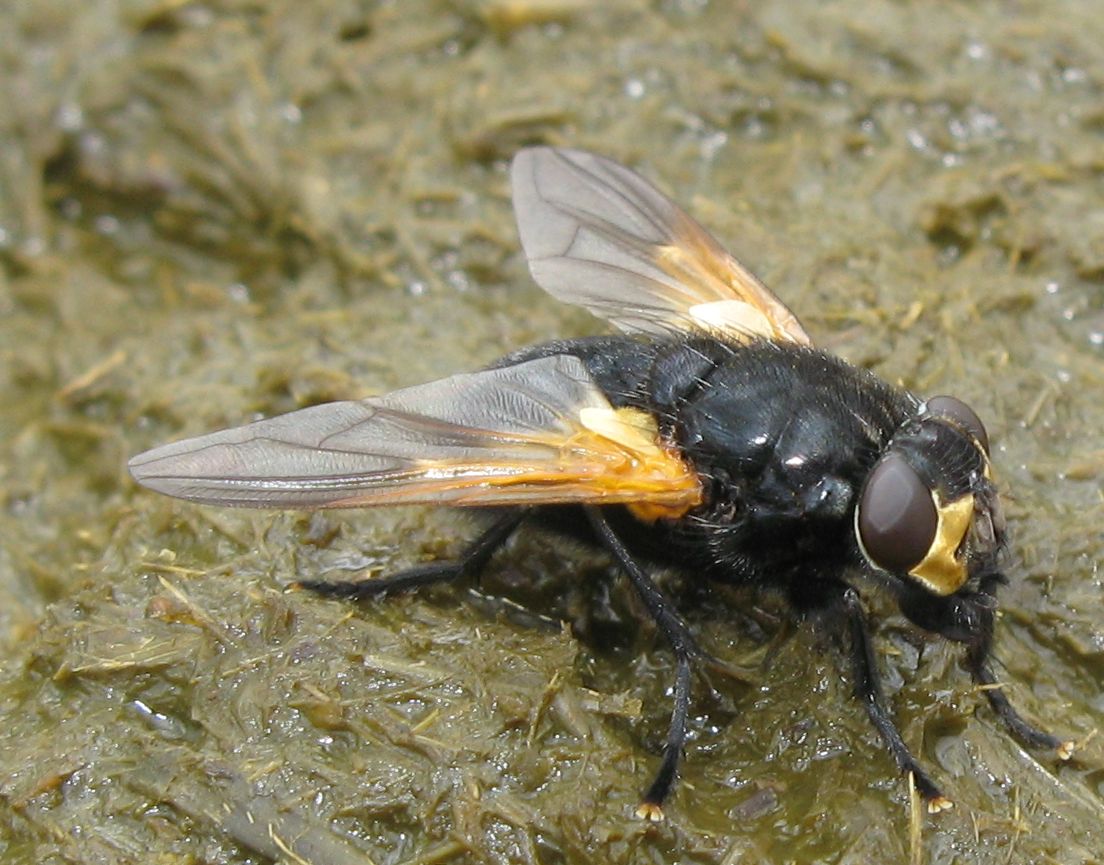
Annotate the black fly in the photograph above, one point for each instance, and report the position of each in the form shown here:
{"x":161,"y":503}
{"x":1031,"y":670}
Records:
{"x":711,"y":436}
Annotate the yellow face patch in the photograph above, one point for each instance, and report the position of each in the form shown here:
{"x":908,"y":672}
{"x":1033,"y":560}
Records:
{"x":941,"y":571}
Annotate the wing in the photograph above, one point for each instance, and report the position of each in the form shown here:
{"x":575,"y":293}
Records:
{"x":598,"y":235}
{"x":539,"y":432}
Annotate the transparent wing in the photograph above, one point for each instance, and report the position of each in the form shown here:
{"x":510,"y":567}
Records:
{"x":539,"y":432}
{"x":598,"y":235}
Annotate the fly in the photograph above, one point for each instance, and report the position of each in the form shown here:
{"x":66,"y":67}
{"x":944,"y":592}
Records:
{"x":711,"y":435}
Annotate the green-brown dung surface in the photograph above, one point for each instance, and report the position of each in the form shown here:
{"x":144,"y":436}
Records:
{"x":214,"y":211}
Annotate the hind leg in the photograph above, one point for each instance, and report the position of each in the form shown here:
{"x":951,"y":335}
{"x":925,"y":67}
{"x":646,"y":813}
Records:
{"x":470,"y":563}
{"x":677,"y":633}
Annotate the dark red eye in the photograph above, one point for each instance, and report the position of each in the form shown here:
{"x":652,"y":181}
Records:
{"x":896,"y":517}
{"x":960,"y":413}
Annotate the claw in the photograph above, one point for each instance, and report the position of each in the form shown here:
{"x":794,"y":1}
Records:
{"x":939,"y":804}
{"x":650,"y":811}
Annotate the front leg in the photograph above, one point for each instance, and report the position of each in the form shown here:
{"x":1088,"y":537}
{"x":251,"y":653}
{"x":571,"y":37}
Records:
{"x":1013,"y":720}
{"x":967,"y":618}
{"x":869,"y":690}
{"x":977,"y":662}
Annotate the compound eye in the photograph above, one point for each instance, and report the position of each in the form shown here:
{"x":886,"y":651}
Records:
{"x":962,"y":415}
{"x":896,"y":519}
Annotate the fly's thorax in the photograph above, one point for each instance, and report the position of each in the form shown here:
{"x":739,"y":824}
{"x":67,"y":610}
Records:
{"x":928,"y":511}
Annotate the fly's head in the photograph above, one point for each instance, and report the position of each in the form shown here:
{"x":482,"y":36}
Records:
{"x":929,"y":516}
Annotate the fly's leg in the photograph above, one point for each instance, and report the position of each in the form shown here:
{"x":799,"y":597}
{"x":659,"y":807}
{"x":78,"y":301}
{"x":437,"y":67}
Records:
{"x":977,"y":657}
{"x":471,"y":563}
{"x":1027,"y":733}
{"x":677,"y":633}
{"x":967,"y":618}
{"x":868,"y":689}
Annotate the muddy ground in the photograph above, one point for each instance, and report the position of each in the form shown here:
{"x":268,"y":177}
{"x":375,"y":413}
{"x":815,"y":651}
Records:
{"x":211,"y":212}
